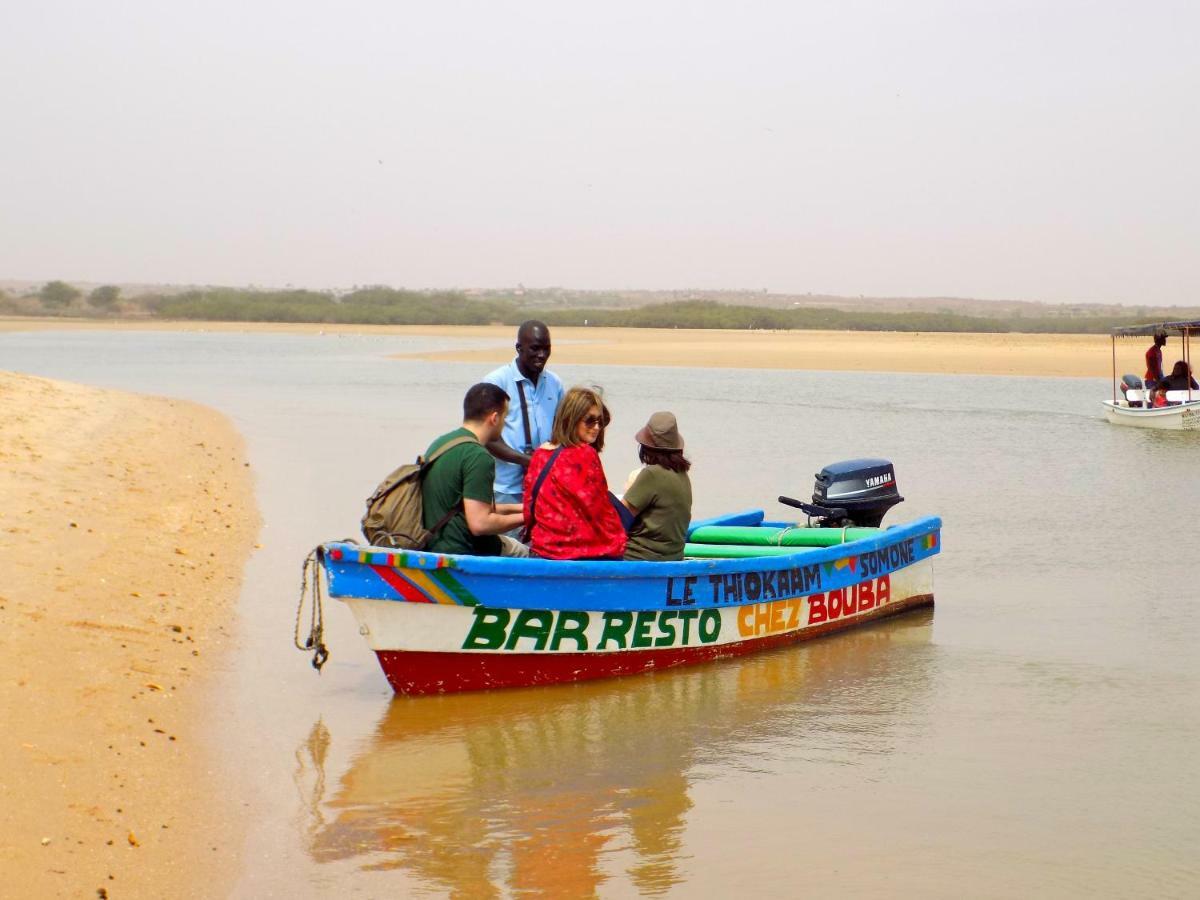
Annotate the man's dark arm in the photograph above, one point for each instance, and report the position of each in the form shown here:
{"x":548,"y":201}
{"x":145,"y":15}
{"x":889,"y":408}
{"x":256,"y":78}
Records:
{"x":505,"y":453}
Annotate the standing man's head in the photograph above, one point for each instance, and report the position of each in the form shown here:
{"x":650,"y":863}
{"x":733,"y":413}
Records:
{"x":1160,"y":340}
{"x":484,"y":407}
{"x":533,"y":348}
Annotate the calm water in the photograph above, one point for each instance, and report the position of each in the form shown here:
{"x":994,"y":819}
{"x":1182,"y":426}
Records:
{"x":1036,"y":733}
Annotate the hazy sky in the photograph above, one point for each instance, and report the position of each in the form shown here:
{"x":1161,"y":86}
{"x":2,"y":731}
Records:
{"x":1035,"y":150}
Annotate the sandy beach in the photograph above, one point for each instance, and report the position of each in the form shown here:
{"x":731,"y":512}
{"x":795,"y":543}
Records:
{"x":1044,"y":355}
{"x":124,"y":528}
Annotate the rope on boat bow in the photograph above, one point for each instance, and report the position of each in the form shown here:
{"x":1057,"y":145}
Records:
{"x":310,"y":583}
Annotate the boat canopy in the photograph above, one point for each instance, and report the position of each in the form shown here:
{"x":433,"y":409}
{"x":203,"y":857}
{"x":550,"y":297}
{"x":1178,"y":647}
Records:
{"x":1185,"y":326}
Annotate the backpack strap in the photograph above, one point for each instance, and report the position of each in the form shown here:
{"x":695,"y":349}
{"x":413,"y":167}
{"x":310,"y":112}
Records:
{"x":537,"y":487}
{"x":434,"y":457}
{"x":449,"y":445}
{"x":445,"y":520}
{"x":525,"y":417}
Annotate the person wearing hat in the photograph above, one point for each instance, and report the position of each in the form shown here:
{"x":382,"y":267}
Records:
{"x":660,"y":497}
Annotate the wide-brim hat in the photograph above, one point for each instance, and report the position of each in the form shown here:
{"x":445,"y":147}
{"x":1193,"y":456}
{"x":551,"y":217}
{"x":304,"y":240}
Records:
{"x":661,"y":433}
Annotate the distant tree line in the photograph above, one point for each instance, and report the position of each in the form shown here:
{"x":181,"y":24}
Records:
{"x":366,"y":306}
{"x":389,"y":306}
{"x":63,"y":299}
{"x":710,"y":314}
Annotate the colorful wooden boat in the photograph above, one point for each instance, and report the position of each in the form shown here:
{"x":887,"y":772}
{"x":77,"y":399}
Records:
{"x":446,"y":623}
{"x":1130,"y":406}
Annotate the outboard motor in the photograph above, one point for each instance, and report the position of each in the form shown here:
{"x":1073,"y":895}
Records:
{"x":854,"y":492}
{"x":1130,"y":383}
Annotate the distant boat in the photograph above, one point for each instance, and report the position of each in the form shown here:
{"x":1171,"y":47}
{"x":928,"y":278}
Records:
{"x":442,"y":623}
{"x":1130,"y":404}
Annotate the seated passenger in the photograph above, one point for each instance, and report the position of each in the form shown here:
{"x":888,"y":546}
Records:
{"x":1160,"y":396}
{"x":567,"y":507}
{"x":1181,"y":378}
{"x":458,"y":484}
{"x":660,"y":497}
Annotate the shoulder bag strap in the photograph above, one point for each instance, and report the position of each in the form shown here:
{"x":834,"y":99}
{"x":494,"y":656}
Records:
{"x":537,"y":487}
{"x":433,"y":457}
{"x":445,"y":520}
{"x":525,"y":417}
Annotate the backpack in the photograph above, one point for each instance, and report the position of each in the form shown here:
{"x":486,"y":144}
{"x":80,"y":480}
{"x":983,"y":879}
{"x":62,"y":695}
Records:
{"x":394,"y":512}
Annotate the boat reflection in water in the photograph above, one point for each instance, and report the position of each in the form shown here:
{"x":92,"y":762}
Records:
{"x":559,"y":789}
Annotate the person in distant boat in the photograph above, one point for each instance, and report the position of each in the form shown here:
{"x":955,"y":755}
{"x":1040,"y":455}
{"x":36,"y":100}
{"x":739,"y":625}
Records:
{"x":1159,"y":393}
{"x":533,"y":398}
{"x":461,"y":481}
{"x":568,"y":510}
{"x":1181,"y":378}
{"x":1154,"y":369}
{"x":660,"y":497}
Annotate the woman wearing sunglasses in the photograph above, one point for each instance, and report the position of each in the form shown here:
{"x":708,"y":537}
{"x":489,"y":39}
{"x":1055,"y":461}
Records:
{"x":568,"y":513}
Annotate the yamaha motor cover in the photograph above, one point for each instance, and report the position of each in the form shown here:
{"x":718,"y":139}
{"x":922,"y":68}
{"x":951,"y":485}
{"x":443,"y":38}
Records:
{"x":864,"y":488}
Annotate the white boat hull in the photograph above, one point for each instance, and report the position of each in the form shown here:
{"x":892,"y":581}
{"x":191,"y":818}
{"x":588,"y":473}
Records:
{"x":1185,"y":417}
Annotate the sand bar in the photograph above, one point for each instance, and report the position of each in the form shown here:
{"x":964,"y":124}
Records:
{"x":125,"y":523}
{"x":1045,"y":355}
{"x":839,"y":351}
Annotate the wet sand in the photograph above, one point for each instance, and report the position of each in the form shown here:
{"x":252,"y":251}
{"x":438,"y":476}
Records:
{"x":125,"y":524}
{"x":1045,"y":355}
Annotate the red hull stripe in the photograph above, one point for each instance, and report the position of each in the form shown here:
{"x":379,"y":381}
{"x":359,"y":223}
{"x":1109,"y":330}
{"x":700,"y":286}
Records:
{"x":402,"y":585}
{"x":422,"y":672}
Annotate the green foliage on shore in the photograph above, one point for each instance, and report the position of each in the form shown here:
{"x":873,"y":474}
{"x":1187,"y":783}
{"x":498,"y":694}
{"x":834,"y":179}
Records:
{"x":230,"y":305}
{"x":58,"y":294}
{"x":709,"y":314}
{"x":392,"y":307}
{"x":388,"y":306}
{"x":104,"y":297}
{"x":368,"y":306}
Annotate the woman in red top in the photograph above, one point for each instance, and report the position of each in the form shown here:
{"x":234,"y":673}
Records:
{"x":573,"y":517}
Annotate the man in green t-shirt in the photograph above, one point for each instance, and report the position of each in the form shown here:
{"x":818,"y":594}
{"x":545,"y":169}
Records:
{"x":462,"y":479}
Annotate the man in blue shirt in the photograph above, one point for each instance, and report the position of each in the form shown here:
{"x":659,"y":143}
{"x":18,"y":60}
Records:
{"x":529,"y":422}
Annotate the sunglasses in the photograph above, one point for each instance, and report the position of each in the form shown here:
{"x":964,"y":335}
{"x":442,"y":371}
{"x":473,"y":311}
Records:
{"x":592,"y":421}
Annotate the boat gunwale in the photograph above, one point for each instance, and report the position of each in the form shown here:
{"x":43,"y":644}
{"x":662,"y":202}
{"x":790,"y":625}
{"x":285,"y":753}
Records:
{"x":346,"y":553}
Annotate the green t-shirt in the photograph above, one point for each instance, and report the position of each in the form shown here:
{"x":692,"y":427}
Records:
{"x":663,"y":500}
{"x":466,"y":471}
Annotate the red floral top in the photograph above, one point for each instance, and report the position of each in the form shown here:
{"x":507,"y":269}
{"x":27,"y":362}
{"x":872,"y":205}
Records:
{"x":575,"y":518}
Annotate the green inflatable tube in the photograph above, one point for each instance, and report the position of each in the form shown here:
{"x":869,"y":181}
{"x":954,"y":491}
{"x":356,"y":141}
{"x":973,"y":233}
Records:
{"x":751,"y":536}
{"x":737,"y":551}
